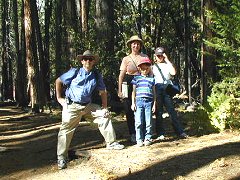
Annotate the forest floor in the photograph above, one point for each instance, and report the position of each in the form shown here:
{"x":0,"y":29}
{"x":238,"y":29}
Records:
{"x":28,"y":151}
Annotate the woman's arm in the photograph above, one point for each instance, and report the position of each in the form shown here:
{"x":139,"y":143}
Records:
{"x":133,"y":107}
{"x":120,"y":81}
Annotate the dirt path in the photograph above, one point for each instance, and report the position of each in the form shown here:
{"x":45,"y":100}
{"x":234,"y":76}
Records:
{"x":28,"y":151}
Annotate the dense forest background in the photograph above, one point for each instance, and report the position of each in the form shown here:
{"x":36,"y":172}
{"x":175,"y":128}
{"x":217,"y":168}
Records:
{"x":40,"y":39}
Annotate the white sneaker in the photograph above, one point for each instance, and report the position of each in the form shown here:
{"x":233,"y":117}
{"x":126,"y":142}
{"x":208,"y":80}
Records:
{"x":140,"y":143}
{"x":161,"y":137}
{"x":115,"y":146}
{"x":147,"y":142}
{"x":62,"y":164}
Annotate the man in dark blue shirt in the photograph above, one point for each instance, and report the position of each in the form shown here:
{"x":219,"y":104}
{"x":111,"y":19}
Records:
{"x":81,"y":83}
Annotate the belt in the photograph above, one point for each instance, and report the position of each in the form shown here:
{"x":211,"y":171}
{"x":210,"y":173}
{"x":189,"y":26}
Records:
{"x":80,"y":103}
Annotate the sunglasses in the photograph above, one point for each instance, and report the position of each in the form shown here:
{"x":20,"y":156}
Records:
{"x":88,"y":59}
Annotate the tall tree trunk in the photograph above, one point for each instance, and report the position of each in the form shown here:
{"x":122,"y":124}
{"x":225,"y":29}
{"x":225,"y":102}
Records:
{"x":39,"y":57}
{"x":79,"y":17}
{"x":187,"y":70}
{"x":66,"y":36}
{"x":104,"y":24}
{"x":58,"y":44}
{"x":78,"y":9}
{"x":203,"y":73}
{"x":46,"y":64}
{"x":19,"y":86}
{"x":10,"y":55}
{"x":4,"y":52}
{"x":22,"y":70}
{"x":139,"y":19}
{"x":210,"y":63}
{"x":208,"y":67}
{"x":32,"y":85}
{"x":7,"y":79}
{"x":161,"y":12}
{"x":148,"y":19}
{"x":84,"y":15}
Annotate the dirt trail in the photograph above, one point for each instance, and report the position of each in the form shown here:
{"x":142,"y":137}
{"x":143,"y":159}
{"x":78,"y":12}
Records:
{"x":28,"y":151}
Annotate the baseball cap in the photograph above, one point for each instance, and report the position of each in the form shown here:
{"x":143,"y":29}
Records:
{"x":144,"y":60}
{"x":159,"y":51}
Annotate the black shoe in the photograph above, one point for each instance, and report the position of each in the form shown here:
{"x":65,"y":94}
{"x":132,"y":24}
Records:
{"x":62,"y":164}
{"x":184,"y":136}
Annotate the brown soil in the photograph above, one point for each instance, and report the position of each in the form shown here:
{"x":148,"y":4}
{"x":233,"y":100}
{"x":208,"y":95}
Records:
{"x":28,"y":151}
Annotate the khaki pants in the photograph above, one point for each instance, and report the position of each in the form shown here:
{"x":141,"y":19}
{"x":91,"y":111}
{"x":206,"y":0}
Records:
{"x":71,"y":116}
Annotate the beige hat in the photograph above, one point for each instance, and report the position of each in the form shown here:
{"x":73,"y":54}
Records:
{"x":88,"y":53}
{"x":134,"y":38}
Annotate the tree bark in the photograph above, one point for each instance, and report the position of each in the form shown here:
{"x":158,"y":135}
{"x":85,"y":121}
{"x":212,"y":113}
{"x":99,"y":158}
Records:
{"x":104,"y":24}
{"x":7,"y":78}
{"x":39,"y":58}
{"x":187,"y":70}
{"x":58,"y":44}
{"x":208,"y":67}
{"x":32,"y":85}
{"x":84,"y":15}
{"x":19,"y":88}
{"x":46,"y":64}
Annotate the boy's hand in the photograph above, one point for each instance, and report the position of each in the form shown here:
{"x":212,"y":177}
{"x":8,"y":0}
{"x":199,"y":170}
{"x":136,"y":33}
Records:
{"x":154,"y":107}
{"x":133,"y":107}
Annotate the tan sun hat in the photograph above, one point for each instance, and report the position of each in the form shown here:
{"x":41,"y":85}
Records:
{"x":88,"y":53}
{"x":134,"y":38}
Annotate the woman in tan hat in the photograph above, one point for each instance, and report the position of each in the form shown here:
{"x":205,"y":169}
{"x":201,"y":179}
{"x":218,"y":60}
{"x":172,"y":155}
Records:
{"x":128,"y":69}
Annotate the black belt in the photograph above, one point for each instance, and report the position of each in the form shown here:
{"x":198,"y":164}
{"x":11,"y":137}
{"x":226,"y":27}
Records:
{"x":80,"y":103}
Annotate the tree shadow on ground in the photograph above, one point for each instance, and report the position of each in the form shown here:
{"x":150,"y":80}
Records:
{"x":184,"y":164}
{"x":32,"y":143}
{"x":38,"y":150}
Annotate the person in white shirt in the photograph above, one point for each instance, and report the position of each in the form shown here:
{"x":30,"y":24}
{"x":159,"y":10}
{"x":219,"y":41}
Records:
{"x":163,"y":64}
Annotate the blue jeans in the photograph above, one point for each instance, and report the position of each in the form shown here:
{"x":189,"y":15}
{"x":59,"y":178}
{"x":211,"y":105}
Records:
{"x":164,"y":99}
{"x":143,"y":118}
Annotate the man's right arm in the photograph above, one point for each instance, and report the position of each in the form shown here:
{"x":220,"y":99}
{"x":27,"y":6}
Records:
{"x":59,"y":88}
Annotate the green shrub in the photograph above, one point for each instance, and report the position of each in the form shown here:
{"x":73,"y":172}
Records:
{"x":199,"y":121}
{"x":225,"y":104}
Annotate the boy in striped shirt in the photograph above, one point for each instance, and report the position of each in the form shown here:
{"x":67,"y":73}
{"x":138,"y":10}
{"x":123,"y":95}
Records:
{"x":143,"y":102}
